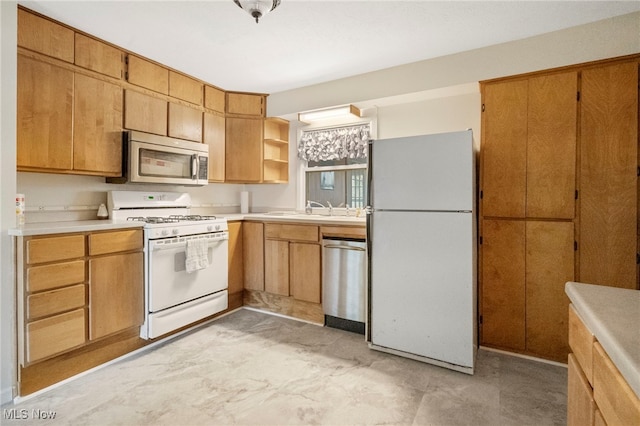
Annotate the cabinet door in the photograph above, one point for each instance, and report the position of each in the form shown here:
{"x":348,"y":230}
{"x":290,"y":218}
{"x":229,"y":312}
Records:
{"x":98,"y":56}
{"x":243,"y":150}
{"x":214,"y":136}
{"x":44,"y":36}
{"x":145,"y":113}
{"x":504,"y":149}
{"x":236,"y":276}
{"x":185,"y":123}
{"x":245,"y":104}
{"x":503,"y":284}
{"x":608,"y":175}
{"x":44,"y":115}
{"x":185,"y":88}
{"x":146,"y":74}
{"x":214,"y":98}
{"x":276,"y":267}
{"x":97,"y":126}
{"x":116,"y":293}
{"x":551,"y":146}
{"x":580,"y":404}
{"x":549,"y":265}
{"x":305,"y":267}
{"x":253,"y":255}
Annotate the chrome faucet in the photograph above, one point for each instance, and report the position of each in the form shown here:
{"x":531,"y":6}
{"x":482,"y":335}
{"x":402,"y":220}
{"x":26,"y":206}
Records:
{"x":330,"y":208}
{"x":346,"y":206}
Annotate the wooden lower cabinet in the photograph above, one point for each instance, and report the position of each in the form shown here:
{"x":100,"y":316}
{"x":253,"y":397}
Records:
{"x":80,"y":302}
{"x":276,"y":267}
{"x":305,"y":272}
{"x":597,"y":393}
{"x":525,"y":264}
{"x":116,"y":299}
{"x":253,"y":255}
{"x":236,"y":264}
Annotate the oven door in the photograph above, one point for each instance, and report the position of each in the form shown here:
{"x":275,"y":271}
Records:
{"x":169,"y":284}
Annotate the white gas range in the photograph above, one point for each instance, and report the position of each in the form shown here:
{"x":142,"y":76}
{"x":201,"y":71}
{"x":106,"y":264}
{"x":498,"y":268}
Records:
{"x":185,"y":261}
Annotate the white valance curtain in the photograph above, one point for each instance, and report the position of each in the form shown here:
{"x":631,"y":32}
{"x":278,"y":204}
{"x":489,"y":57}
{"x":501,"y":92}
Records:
{"x":334,"y":144}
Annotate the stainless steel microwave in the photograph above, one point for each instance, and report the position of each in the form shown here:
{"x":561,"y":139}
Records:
{"x":160,"y":159}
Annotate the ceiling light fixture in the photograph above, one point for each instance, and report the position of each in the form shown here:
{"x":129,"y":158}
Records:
{"x":257,"y":8}
{"x":324,"y":114}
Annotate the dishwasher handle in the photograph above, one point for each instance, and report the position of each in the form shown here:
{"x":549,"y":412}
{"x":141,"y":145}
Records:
{"x":336,"y":246}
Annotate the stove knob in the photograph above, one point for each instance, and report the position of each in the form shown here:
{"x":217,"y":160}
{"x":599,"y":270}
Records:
{"x":217,"y":227}
{"x":209,"y":228}
{"x":164,"y":232}
{"x":175,"y":231}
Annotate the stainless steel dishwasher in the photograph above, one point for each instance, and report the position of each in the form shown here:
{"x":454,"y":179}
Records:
{"x":344,"y":272}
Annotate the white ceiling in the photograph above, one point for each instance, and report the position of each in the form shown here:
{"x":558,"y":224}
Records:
{"x":306,"y":42}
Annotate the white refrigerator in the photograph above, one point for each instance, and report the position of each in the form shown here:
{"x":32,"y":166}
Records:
{"x":421,"y":226}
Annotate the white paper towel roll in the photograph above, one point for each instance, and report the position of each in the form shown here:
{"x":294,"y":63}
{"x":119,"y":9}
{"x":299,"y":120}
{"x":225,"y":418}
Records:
{"x":244,"y":202}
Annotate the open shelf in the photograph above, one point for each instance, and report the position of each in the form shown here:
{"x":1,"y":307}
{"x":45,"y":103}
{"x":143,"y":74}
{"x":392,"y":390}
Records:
{"x":276,"y":150}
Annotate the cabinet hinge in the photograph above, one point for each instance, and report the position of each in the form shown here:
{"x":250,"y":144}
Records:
{"x":482,"y":107}
{"x":480,"y":319}
{"x":575,"y":246}
{"x":126,"y":75}
{"x":576,"y":195}
{"x":637,"y":258}
{"x":480,"y":239}
{"x":638,"y":170}
{"x":481,"y":194}
{"x":578,"y":96}
{"x":126,"y":59}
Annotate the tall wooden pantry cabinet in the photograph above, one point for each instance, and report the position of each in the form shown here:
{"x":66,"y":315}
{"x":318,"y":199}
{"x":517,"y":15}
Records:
{"x":558,"y":198}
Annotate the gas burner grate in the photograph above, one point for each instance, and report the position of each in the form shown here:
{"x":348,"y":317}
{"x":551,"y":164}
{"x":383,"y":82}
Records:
{"x":154,"y":219}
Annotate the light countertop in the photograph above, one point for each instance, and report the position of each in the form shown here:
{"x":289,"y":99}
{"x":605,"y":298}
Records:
{"x":43,"y":228}
{"x":30,"y":229}
{"x":613,"y":316}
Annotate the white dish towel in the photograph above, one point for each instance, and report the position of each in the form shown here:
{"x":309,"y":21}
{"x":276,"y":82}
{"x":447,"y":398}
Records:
{"x":196,"y":256}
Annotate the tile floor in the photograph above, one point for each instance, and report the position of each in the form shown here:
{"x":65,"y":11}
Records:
{"x":250,"y":368}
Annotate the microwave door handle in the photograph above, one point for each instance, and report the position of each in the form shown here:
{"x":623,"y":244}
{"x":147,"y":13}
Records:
{"x":194,"y":166}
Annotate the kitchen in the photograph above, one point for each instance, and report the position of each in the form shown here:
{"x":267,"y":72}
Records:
{"x":393,"y":121}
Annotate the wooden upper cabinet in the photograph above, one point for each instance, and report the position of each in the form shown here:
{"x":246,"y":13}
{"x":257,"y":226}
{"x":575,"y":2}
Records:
{"x":608,"y":175}
{"x":185,"y":88}
{"x":504,"y":149}
{"x":97,"y":125}
{"x":243,"y":149}
{"x":214,"y":136}
{"x":97,"y":56}
{"x":44,"y":115}
{"x":145,"y":113}
{"x":246,"y":104}
{"x":44,"y":36}
{"x":185,"y":122}
{"x":214,"y":98}
{"x":551,"y":146}
{"x":146,"y":74}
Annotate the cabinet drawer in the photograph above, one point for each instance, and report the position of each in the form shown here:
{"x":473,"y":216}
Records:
{"x":291,"y":232}
{"x":113,"y":242}
{"x":50,"y":336}
{"x":344,"y":231}
{"x":581,"y":342}
{"x":615,"y":398}
{"x":50,"y":249}
{"x":55,"y":301}
{"x":580,"y":403}
{"x":46,"y":277}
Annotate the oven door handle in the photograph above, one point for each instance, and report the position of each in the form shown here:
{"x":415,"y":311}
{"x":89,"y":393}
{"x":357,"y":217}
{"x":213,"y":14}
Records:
{"x":182,"y":245}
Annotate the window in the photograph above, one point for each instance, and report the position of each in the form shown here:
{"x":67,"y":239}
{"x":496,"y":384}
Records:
{"x":336,"y":169}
